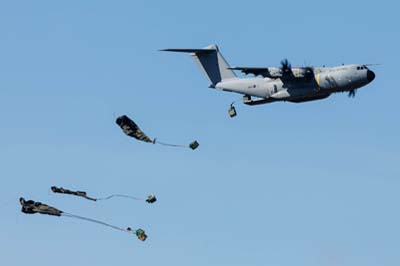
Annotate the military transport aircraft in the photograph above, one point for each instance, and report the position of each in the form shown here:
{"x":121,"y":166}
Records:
{"x":284,"y":83}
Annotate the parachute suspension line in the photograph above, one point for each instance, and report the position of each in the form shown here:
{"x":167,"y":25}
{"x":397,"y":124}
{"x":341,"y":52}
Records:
{"x":193,"y":145}
{"x":237,"y":100}
{"x":120,"y":196}
{"x":170,"y":145}
{"x":6,"y":203}
{"x":93,"y":221}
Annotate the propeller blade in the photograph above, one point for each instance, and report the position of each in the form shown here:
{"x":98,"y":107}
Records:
{"x":285,"y":65}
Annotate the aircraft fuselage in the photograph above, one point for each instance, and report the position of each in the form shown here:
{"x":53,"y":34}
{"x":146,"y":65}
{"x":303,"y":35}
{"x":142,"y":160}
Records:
{"x":325,"y":81}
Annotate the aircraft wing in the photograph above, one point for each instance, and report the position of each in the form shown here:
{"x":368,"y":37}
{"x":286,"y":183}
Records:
{"x":263,"y":71}
{"x":290,"y":74}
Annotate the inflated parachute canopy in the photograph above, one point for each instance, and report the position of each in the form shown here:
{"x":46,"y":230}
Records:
{"x":131,"y":129}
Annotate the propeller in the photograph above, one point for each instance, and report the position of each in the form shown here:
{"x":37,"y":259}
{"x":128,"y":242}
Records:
{"x":285,"y":66}
{"x":352,"y":93}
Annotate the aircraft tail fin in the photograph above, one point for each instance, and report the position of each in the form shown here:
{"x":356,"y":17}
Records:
{"x":211,"y":62}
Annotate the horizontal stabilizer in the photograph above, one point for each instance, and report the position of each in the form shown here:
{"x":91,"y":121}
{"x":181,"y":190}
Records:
{"x":210,"y":61}
{"x":196,"y":51}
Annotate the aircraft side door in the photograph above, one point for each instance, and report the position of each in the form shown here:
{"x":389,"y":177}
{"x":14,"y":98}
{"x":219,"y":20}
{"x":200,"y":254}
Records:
{"x":331,"y":81}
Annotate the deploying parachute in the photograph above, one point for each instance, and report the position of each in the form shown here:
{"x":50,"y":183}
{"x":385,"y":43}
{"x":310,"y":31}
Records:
{"x":32,"y":207}
{"x":150,"y":199}
{"x":70,"y":192}
{"x":131,"y":129}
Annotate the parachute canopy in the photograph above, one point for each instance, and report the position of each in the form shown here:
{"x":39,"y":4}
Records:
{"x":32,"y":207}
{"x":131,"y":129}
{"x":70,"y":192}
{"x":150,"y":199}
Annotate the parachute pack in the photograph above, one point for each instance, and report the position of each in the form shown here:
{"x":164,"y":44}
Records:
{"x":131,"y":129}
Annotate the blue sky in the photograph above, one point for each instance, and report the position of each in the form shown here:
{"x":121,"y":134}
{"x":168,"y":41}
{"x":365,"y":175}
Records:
{"x":281,"y":184}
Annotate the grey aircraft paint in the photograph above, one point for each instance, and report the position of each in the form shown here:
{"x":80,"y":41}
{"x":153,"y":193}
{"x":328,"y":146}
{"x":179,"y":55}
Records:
{"x":272,"y":84}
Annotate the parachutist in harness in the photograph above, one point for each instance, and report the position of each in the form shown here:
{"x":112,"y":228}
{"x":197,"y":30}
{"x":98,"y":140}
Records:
{"x":151,"y":199}
{"x":32,"y":207}
{"x":140,"y":233}
{"x":194,"y":145}
{"x":232,"y":111}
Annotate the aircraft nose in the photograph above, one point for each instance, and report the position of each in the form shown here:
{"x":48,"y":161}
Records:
{"x":370,"y":75}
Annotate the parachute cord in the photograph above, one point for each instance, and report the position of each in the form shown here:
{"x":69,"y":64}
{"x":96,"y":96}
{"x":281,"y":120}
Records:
{"x":120,"y":196}
{"x":171,"y":145}
{"x":93,"y":221}
{"x":235,"y":101}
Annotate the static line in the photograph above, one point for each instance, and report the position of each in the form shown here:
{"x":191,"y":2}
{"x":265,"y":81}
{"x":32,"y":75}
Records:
{"x":120,"y":196}
{"x":93,"y":221}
